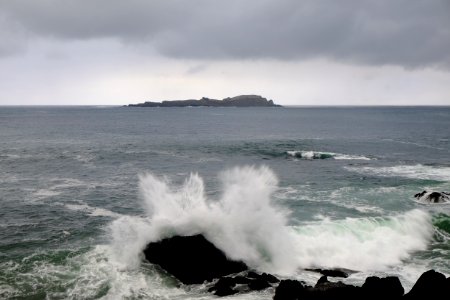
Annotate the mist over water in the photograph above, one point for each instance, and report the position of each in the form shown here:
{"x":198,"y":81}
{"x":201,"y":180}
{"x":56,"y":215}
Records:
{"x":83,"y":190}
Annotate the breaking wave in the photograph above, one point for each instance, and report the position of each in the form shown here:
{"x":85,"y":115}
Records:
{"x":247,"y":225}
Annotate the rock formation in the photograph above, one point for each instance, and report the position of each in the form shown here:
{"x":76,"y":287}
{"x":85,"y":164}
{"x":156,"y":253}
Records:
{"x":238,"y":101}
{"x":195,"y":260}
{"x":191,"y":259}
{"x":433,"y":197}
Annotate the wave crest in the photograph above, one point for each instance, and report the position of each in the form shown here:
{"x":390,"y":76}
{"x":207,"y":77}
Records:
{"x":247,"y":225}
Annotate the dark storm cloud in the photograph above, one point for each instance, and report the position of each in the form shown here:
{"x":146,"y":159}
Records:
{"x":409,"y":33}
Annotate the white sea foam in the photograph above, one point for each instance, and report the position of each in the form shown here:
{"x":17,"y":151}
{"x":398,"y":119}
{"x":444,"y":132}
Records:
{"x":247,"y":225}
{"x":91,"y":275}
{"x":92,"y":211}
{"x":350,"y":157}
{"x":365,"y":243}
{"x":414,"y":172}
{"x":324,"y":155}
{"x":242,"y":222}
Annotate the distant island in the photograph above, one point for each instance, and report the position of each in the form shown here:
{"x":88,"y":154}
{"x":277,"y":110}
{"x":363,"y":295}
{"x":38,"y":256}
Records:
{"x":238,"y":101}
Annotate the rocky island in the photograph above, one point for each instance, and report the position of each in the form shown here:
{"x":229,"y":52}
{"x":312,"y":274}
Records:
{"x":238,"y":101}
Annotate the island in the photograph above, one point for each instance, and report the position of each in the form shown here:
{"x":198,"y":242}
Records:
{"x":238,"y":101}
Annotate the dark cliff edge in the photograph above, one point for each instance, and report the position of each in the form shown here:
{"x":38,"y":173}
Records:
{"x":238,"y":101}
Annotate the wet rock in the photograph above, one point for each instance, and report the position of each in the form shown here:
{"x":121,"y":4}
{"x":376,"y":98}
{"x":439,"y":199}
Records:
{"x":389,"y":287}
{"x":290,"y":290}
{"x":191,"y":259}
{"x":325,"y":289}
{"x":337,"y":272}
{"x":258,"y":284}
{"x":433,"y":197}
{"x":251,"y":281}
{"x":269,"y":278}
{"x":224,"y":287}
{"x":430,"y":284}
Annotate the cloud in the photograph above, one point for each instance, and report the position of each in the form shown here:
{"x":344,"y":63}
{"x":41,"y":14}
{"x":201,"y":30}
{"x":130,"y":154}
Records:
{"x":407,"y":33}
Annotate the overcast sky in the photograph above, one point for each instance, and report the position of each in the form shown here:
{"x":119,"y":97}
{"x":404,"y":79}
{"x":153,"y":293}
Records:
{"x":317,"y":52}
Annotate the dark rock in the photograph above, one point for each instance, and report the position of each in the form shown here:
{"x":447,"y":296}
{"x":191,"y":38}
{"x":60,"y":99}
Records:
{"x":290,"y":290}
{"x":338,"y":272}
{"x":322,"y":279}
{"x":269,"y":278}
{"x":253,"y":275}
{"x":389,"y":287}
{"x":238,"y":101}
{"x":433,"y":197}
{"x":258,"y":284}
{"x":191,"y":259}
{"x":325,"y":289}
{"x":430,"y":284}
{"x":251,"y":281}
{"x":223,"y":287}
{"x":242,"y":280}
{"x":419,"y":195}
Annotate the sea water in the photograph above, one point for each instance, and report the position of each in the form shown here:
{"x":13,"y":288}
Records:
{"x":84,"y":189}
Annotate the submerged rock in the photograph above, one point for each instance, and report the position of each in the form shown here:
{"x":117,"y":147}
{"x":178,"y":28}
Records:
{"x":191,"y":259}
{"x":433,"y":197}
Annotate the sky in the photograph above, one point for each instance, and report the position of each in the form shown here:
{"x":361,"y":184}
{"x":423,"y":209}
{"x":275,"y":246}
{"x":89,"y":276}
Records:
{"x":296,"y":52}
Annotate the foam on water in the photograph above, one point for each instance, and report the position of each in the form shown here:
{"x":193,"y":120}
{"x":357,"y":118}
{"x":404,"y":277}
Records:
{"x":363,"y":243}
{"x":324,"y":155}
{"x":92,"y":274}
{"x":246,"y":224}
{"x":413,"y":172}
{"x":92,"y":211}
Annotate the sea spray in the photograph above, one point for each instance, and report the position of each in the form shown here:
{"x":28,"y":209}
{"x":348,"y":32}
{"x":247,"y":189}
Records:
{"x":364,"y":244}
{"x":243,"y":221}
{"x":247,"y":225}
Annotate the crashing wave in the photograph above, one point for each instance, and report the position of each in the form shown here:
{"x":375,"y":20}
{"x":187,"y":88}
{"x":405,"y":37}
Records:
{"x":246,"y":224}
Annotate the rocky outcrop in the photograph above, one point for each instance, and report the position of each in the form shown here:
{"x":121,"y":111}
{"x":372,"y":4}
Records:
{"x":238,"y":101}
{"x":243,"y":283}
{"x":290,"y":290}
{"x":195,"y":260}
{"x":430,"y":285}
{"x":379,"y":288}
{"x":337,"y":272}
{"x":433,"y":197}
{"x":191,"y":259}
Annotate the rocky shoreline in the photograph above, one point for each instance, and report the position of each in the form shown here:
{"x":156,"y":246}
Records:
{"x":238,"y":101}
{"x":195,"y":260}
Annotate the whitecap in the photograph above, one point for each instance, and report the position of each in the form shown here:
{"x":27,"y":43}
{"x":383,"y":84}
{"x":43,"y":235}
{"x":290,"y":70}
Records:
{"x":407,"y":171}
{"x":92,"y":211}
{"x":309,"y":154}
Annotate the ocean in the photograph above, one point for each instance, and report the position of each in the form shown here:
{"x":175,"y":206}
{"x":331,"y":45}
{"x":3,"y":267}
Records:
{"x":84,"y":189}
